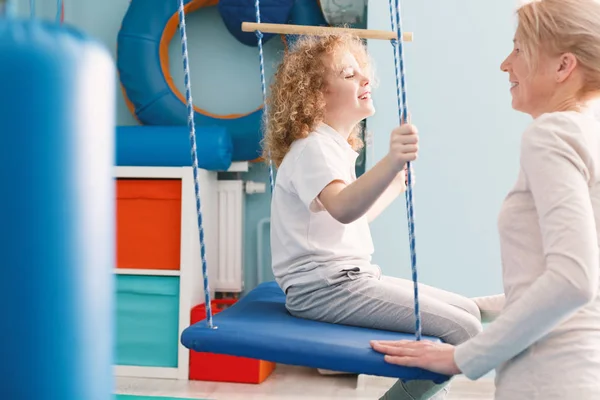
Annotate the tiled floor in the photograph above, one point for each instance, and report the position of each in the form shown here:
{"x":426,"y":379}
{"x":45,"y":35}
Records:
{"x":292,"y":383}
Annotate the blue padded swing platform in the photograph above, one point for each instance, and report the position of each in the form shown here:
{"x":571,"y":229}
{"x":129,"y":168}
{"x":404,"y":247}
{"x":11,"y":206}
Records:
{"x":259,"y":326}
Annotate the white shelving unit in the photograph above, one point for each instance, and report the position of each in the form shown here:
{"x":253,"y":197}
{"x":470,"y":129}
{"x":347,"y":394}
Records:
{"x":191,"y":290}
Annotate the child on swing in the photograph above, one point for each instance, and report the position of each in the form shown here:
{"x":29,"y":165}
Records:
{"x":320,"y":239}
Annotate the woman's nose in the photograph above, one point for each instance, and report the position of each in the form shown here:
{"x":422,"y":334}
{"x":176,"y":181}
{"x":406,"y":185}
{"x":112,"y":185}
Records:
{"x":504,"y":65}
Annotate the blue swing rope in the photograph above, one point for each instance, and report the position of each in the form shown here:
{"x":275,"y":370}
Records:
{"x":398,"y":47}
{"x":259,"y":36}
{"x":194,"y":154}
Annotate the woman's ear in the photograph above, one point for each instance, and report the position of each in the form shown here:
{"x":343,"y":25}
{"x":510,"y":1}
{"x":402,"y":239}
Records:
{"x":566,"y":65}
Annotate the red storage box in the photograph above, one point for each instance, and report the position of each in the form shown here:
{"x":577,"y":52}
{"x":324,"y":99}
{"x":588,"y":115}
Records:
{"x":221,"y":367}
{"x":148,"y":223}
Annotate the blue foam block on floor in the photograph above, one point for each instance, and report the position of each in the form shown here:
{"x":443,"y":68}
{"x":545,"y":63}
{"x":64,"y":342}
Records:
{"x":259,"y":326}
{"x":170,"y":146}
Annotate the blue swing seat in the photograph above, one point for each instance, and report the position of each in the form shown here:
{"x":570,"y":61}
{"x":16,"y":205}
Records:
{"x":259,"y":326}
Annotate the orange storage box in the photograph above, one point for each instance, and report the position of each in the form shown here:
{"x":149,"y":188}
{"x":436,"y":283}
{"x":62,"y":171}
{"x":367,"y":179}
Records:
{"x":148,"y":223}
{"x":221,"y":367}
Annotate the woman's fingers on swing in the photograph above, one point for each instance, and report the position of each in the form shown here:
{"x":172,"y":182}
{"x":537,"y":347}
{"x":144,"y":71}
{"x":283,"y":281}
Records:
{"x":401,"y":348}
{"x":406,"y":361}
{"x":436,"y":357}
{"x":403,"y":343}
{"x":396,"y":351}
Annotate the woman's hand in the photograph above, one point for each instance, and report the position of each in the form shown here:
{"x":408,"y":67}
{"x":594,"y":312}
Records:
{"x":435,"y":357}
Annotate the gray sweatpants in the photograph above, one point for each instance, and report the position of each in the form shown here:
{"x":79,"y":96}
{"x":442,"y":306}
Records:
{"x":352,"y":297}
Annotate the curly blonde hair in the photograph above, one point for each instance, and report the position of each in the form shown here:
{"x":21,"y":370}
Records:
{"x":296,"y":103}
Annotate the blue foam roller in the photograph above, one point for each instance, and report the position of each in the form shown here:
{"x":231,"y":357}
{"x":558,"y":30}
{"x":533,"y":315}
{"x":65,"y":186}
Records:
{"x":169,"y":146}
{"x":57,"y":118}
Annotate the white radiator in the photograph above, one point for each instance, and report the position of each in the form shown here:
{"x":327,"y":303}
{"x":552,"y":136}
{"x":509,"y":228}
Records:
{"x":230,"y":245}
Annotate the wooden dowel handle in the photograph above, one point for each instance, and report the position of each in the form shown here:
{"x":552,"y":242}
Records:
{"x":286,"y":29}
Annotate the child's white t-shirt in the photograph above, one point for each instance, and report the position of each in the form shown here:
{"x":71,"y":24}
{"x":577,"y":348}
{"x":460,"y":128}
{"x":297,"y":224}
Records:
{"x":307,"y":243}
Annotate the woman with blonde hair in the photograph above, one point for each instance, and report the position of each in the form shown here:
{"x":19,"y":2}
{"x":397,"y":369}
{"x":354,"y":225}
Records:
{"x":320,"y":239}
{"x":545,"y":342}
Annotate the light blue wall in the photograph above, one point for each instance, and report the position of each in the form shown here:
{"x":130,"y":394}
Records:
{"x":225,"y":79}
{"x":469,"y":137}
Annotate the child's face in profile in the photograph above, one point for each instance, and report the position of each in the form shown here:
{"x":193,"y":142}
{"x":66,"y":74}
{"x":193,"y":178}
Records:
{"x":347,"y":93}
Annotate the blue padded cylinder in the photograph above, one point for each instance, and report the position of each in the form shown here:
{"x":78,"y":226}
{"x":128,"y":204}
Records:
{"x":169,"y":146}
{"x":57,"y":118}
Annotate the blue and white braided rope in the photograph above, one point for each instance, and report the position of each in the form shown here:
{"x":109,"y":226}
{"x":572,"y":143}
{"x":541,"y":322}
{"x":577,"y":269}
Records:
{"x":192,"y":128}
{"x":259,"y":36}
{"x":403,"y":116}
{"x":394,"y":43}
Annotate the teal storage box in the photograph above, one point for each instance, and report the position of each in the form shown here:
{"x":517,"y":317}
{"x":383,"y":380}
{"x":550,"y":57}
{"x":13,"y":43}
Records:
{"x":147,"y":319}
